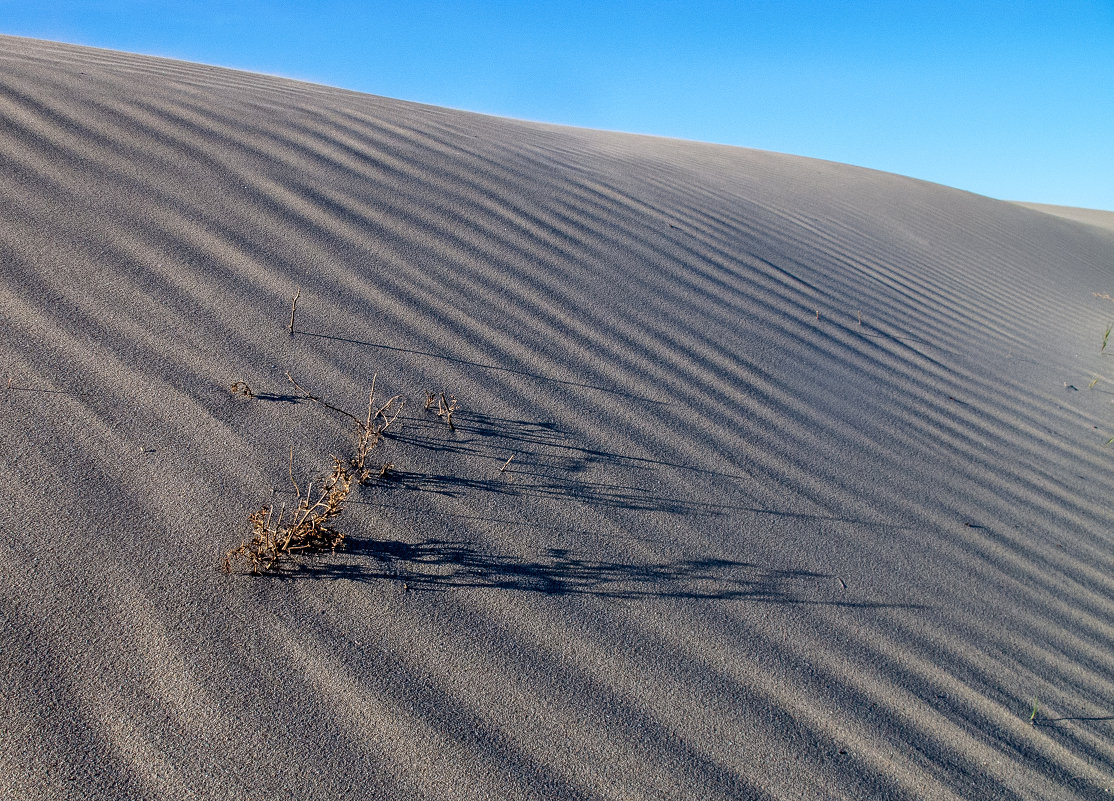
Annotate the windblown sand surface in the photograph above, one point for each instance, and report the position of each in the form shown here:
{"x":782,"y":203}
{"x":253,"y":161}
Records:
{"x":809,"y":496}
{"x":1103,"y":219}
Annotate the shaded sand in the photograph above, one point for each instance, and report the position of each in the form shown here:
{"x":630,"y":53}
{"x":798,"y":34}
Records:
{"x":747,"y":547}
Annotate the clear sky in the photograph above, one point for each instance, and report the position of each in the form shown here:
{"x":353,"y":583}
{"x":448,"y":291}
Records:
{"x":1010,"y":99}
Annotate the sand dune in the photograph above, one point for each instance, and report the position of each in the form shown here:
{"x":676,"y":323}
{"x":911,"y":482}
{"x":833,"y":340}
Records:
{"x":809,"y":496}
{"x":1103,"y":219}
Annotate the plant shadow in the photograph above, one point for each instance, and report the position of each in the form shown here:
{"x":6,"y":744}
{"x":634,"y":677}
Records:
{"x":273,"y":397}
{"x":439,"y":565}
{"x":1055,"y":723}
{"x":597,"y":494}
{"x":533,"y":443}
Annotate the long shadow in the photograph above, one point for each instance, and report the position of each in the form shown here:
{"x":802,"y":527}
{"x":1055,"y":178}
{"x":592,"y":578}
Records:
{"x":535,"y":485}
{"x":475,"y":434}
{"x":438,"y":565}
{"x":76,"y":393}
{"x":275,"y":398}
{"x":535,"y":524}
{"x":481,"y":365}
{"x":597,"y":494}
{"x":506,"y":436}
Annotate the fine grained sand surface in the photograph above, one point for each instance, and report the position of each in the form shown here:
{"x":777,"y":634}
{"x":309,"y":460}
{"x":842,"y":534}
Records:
{"x":1103,"y":219}
{"x":809,"y":496}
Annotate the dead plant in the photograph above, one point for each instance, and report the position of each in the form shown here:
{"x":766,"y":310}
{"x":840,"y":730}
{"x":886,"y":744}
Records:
{"x":445,"y":406}
{"x":308,"y":528}
{"x":279,"y":534}
{"x":368,"y":430}
{"x":293,"y":307}
{"x":371,"y":430}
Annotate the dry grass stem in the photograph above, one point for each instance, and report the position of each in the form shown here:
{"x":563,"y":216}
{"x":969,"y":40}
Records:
{"x":369,"y":430}
{"x":293,"y":306}
{"x":372,"y":428}
{"x":445,"y":409}
{"x":290,"y":472}
{"x":305,"y":393}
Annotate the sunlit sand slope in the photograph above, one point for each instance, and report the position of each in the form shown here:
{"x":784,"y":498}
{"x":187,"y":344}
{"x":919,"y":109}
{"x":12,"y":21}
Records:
{"x":809,"y":496}
{"x":1103,"y":219}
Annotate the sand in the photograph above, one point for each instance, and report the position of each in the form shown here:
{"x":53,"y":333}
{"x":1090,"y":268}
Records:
{"x":1102,"y":219}
{"x":809,"y":495}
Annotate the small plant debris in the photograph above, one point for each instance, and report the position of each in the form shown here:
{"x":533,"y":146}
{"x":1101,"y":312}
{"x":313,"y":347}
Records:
{"x":293,"y":308}
{"x":308,"y":528}
{"x":279,"y":534}
{"x":445,"y":406}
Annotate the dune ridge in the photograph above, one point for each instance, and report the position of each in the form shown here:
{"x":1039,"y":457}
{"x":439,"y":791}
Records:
{"x":1097,"y":217}
{"x":809,"y":496}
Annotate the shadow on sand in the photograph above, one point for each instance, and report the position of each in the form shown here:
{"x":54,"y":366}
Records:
{"x":437,"y":565}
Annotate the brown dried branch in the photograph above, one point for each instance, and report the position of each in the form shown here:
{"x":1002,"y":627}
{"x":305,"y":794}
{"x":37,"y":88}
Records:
{"x":307,"y":529}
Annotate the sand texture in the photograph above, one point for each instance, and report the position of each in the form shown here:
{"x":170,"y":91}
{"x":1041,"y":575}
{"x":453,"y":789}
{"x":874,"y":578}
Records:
{"x":809,"y":497}
{"x":1103,"y":219}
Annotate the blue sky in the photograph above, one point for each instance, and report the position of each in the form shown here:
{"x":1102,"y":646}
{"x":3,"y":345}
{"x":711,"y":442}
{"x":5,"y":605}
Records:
{"x":1010,"y":99}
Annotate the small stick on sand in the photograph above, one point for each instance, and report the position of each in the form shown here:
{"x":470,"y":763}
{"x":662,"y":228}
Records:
{"x":504,"y":467}
{"x":293,"y":306}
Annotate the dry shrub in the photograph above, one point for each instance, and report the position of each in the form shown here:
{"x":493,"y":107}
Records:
{"x":371,"y":429}
{"x":307,"y":529}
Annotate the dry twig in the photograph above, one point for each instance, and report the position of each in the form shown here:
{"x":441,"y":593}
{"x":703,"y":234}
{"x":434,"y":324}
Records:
{"x":445,"y":407}
{"x":293,"y":306}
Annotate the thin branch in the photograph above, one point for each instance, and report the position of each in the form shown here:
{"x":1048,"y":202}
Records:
{"x":317,"y":399}
{"x":293,"y":306}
